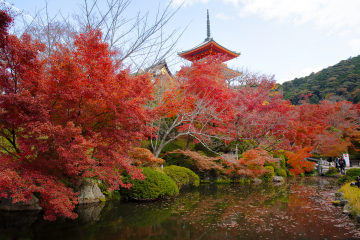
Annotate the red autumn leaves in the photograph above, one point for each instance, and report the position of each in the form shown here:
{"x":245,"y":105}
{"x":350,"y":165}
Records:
{"x":78,"y":113}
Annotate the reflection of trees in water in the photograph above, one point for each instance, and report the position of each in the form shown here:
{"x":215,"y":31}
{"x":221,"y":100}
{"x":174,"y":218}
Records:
{"x":208,"y":212}
{"x":15,"y":224}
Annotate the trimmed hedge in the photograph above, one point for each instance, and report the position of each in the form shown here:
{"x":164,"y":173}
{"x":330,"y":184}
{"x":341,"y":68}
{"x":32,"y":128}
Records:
{"x":156,"y":185}
{"x":332,"y":171}
{"x":182,"y":175}
{"x":350,"y":175}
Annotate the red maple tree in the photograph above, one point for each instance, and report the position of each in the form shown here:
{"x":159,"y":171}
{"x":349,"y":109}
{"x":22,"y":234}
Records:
{"x":196,"y":105}
{"x":72,"y":115}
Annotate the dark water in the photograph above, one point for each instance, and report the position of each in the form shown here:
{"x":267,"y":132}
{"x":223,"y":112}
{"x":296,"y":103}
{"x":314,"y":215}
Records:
{"x":300,"y":209}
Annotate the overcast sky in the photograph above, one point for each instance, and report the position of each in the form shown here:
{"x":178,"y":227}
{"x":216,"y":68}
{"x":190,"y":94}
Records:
{"x":287,"y":38}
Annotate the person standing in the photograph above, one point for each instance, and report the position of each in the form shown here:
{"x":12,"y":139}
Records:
{"x":337,"y":164}
{"x":342,"y":164}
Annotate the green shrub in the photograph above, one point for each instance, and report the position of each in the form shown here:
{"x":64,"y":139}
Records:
{"x":332,"y":171}
{"x":179,"y":160}
{"x":222,"y":181}
{"x":270,"y":168}
{"x":281,"y":172}
{"x":271,"y":164}
{"x":156,"y":185}
{"x":267,"y":176}
{"x":350,"y":175}
{"x":310,"y":173}
{"x":205,"y":150}
{"x":354,"y":172}
{"x":283,"y":162}
{"x":182,"y":175}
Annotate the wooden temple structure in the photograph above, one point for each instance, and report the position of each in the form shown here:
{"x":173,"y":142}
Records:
{"x":208,"y":47}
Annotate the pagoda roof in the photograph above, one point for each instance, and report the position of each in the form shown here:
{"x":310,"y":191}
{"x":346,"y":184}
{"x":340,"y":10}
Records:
{"x":209,"y":45}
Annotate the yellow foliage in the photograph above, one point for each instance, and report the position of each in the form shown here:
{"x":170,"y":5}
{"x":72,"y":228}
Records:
{"x":353,"y":195}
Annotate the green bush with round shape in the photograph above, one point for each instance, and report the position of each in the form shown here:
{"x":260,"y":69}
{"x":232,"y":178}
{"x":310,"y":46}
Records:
{"x":354,"y":172}
{"x":182,"y":176}
{"x":170,"y":147}
{"x":156,"y":185}
{"x":281,"y":172}
{"x":350,"y":175}
{"x":332,"y":171}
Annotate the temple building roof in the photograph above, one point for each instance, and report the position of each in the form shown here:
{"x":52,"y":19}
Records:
{"x":229,"y":73}
{"x":208,"y":47}
{"x":159,"y":69}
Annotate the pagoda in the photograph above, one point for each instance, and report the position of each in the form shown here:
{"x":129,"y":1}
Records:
{"x":208,"y":47}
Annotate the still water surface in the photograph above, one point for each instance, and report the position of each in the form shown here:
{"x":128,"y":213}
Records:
{"x":299,"y":209}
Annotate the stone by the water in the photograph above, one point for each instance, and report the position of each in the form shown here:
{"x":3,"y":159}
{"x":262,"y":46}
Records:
{"x":8,"y":205}
{"x":89,"y":192}
{"x":277,"y":179}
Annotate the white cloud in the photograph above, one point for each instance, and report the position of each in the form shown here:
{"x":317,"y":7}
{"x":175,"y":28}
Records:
{"x":223,"y":16}
{"x":331,"y":15}
{"x":188,"y":2}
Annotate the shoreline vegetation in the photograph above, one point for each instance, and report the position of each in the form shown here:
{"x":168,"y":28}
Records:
{"x":348,"y":195}
{"x":77,"y":126}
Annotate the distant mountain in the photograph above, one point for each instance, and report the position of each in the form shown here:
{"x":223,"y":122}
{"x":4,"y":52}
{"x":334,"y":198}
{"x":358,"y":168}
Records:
{"x":339,"y":82}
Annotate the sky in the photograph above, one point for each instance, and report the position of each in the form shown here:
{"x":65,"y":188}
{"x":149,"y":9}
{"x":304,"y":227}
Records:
{"x":287,"y":38}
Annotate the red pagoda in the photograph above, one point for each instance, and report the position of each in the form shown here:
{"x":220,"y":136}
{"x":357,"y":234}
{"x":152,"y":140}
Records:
{"x":208,"y":47}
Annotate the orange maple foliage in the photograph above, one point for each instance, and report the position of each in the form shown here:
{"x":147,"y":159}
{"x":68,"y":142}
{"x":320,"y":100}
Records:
{"x":202,"y":162}
{"x":251,"y":164}
{"x":297,"y":163}
{"x":144,"y":157}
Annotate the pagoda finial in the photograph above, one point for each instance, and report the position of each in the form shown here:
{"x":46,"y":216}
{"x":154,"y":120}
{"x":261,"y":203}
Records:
{"x":208,"y":27}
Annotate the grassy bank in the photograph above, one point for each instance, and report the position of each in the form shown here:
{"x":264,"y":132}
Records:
{"x":353,"y":195}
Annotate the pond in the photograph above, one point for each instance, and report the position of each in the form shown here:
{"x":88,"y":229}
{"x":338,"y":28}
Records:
{"x":299,"y":209}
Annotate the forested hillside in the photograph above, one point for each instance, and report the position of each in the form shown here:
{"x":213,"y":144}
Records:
{"x":338,"y":82}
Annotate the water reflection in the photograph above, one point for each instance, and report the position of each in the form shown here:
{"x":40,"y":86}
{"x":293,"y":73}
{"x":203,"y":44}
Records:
{"x":300,"y":209}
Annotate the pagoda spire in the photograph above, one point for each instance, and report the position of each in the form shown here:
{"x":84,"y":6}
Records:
{"x":208,"y":27}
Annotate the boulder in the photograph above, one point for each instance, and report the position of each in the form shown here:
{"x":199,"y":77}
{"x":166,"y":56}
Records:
{"x":89,"y":192}
{"x":257,"y":181}
{"x":347,"y":210}
{"x":8,"y":205}
{"x":343,"y":202}
{"x":277,"y":179}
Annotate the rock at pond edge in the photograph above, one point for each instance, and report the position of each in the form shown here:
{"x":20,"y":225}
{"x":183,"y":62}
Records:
{"x":277,"y":179}
{"x":7,"y":205}
{"x":257,"y":181}
{"x":89,"y":192}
